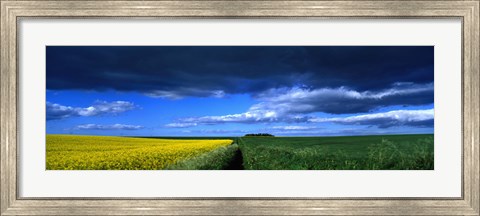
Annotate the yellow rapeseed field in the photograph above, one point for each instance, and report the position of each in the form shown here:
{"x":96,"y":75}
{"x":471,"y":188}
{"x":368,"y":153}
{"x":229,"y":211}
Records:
{"x":72,"y":152}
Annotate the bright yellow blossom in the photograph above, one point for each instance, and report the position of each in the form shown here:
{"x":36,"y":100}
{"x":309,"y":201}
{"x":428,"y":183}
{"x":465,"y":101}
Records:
{"x":71,"y":152}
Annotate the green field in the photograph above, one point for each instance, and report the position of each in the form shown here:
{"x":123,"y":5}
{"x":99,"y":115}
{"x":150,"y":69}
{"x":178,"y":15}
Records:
{"x":389,"y":152}
{"x":386,"y":152}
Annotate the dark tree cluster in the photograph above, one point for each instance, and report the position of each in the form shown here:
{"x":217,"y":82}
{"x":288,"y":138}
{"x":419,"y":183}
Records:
{"x":260,"y":134}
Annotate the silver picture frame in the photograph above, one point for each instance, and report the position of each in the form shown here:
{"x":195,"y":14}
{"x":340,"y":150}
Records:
{"x":12,"y":11}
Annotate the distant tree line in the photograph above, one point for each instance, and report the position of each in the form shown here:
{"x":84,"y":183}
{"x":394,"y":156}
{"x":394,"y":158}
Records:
{"x":260,"y":134}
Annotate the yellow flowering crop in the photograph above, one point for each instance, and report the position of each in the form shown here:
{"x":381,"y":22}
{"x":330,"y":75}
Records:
{"x":71,"y":152}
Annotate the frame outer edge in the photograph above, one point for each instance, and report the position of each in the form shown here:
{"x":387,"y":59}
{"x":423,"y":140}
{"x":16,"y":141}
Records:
{"x":9,"y":205}
{"x":13,"y":94}
{"x":4,"y":114}
{"x":475,"y":106}
{"x":470,"y":108}
{"x":8,"y":115}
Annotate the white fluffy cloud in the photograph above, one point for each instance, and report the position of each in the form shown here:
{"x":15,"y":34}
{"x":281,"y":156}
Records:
{"x":180,"y":93}
{"x":297,"y":104}
{"x":294,"y":128}
{"x":180,"y":125}
{"x":341,"y":100}
{"x":215,"y":131}
{"x":251,"y":116}
{"x":417,"y":118}
{"x":386,"y":119}
{"x":108,"y":127}
{"x":57,"y":111}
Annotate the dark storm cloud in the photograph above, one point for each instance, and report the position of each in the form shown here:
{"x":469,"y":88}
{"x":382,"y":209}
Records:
{"x":175,"y":72}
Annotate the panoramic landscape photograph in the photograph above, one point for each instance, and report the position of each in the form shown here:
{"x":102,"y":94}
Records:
{"x":240,"y":108}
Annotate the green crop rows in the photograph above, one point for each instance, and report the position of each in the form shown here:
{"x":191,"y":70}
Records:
{"x":393,"y":152}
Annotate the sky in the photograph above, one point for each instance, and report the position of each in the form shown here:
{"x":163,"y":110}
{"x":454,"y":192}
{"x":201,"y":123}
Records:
{"x":234,"y":90}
